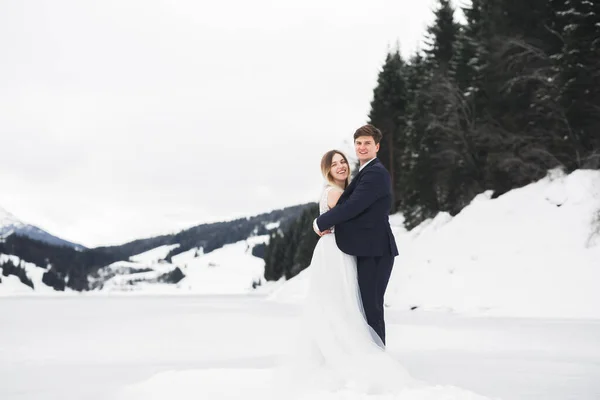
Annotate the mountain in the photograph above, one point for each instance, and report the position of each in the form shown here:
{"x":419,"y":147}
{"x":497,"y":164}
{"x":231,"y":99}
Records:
{"x":9,"y":224}
{"x":143,"y":261}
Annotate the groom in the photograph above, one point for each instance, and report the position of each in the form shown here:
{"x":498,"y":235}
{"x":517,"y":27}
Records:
{"x":362,"y":228}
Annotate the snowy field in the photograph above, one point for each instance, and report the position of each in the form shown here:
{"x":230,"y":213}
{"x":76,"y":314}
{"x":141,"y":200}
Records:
{"x":211,"y":347}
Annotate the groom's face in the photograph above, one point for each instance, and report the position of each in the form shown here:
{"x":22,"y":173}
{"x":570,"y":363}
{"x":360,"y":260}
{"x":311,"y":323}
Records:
{"x":366,"y":149}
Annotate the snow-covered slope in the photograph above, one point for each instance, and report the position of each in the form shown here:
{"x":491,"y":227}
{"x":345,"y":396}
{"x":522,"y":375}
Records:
{"x":11,"y":285}
{"x":154,"y":255}
{"x":231,"y":269}
{"x":534,"y":251}
{"x":10,"y":224}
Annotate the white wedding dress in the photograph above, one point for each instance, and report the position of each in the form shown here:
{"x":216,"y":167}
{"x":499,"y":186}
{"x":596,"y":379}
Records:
{"x":336,"y":351}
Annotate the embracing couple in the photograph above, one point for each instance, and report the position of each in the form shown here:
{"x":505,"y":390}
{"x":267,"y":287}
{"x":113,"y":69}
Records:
{"x":359,"y":212}
{"x":341,"y":337}
{"x":341,"y":341}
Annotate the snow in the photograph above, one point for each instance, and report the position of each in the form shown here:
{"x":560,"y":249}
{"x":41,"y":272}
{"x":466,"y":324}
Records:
{"x":532,"y":252}
{"x":8,"y":221}
{"x":154,"y":255}
{"x":272,"y":225}
{"x":505,"y":293}
{"x":187,"y":256}
{"x":214,"y":347}
{"x":132,"y":276}
{"x":10,"y":224}
{"x":11,"y":285}
{"x":229,"y":270}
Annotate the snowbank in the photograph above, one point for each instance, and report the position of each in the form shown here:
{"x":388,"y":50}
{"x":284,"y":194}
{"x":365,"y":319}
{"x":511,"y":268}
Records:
{"x":532,"y":252}
{"x":257,"y":384}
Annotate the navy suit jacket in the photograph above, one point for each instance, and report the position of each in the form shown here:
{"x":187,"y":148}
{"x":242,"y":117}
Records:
{"x":362,"y":226}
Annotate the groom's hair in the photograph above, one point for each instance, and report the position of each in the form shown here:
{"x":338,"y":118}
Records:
{"x":369,"y":130}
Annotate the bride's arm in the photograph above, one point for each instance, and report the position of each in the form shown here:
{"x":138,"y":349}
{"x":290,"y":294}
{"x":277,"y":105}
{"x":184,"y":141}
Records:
{"x":333,"y":196}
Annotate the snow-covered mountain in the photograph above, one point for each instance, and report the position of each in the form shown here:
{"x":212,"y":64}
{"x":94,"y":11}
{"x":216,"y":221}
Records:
{"x":151,"y":264}
{"x":10,"y":224}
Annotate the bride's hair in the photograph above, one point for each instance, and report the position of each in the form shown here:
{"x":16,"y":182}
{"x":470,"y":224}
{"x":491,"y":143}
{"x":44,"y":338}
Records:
{"x":326,"y":168}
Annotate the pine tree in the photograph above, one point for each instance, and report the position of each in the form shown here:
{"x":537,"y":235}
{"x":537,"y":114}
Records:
{"x":580,"y":79}
{"x":274,"y":255}
{"x":290,"y":240}
{"x":497,"y":102}
{"x":418,"y":201}
{"x":306,"y":242}
{"x":388,"y":113}
{"x":465,"y":50}
{"x":442,"y":37}
{"x":440,"y":95}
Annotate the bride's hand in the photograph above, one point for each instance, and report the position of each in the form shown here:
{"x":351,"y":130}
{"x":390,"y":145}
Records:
{"x":324,"y":233}
{"x":316,"y":229}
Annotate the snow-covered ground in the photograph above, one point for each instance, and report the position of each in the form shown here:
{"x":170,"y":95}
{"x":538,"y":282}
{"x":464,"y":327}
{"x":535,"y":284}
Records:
{"x":212,"y":347}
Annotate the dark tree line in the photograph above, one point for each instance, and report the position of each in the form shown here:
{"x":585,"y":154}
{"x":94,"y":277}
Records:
{"x":9,"y":268}
{"x":65,"y":265}
{"x":216,"y":235}
{"x":290,"y":250}
{"x":491,"y":104}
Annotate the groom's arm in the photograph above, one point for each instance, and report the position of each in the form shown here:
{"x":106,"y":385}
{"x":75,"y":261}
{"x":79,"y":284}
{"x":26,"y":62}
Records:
{"x":372,"y":186}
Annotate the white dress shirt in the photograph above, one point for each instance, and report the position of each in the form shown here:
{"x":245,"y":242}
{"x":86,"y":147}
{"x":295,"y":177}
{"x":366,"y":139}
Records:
{"x":365,"y":164}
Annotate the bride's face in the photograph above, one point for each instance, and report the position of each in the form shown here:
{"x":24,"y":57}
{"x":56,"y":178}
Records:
{"x":339,"y":167}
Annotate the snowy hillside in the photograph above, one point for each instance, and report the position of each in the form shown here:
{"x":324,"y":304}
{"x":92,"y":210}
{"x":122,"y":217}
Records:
{"x":534,"y":251}
{"x":10,"y":224}
{"x":231,"y":269}
{"x":11,"y":284}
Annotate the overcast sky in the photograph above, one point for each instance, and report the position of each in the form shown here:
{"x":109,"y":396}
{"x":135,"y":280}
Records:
{"x":127,"y":119}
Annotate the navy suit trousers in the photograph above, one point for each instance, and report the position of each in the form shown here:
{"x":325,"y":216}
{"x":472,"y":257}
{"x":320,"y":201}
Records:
{"x":373,"y":277}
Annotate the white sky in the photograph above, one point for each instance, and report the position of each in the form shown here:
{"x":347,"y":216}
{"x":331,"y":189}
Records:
{"x":127,"y":119}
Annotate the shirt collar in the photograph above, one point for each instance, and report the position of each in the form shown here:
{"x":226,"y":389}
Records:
{"x":365,"y":164}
